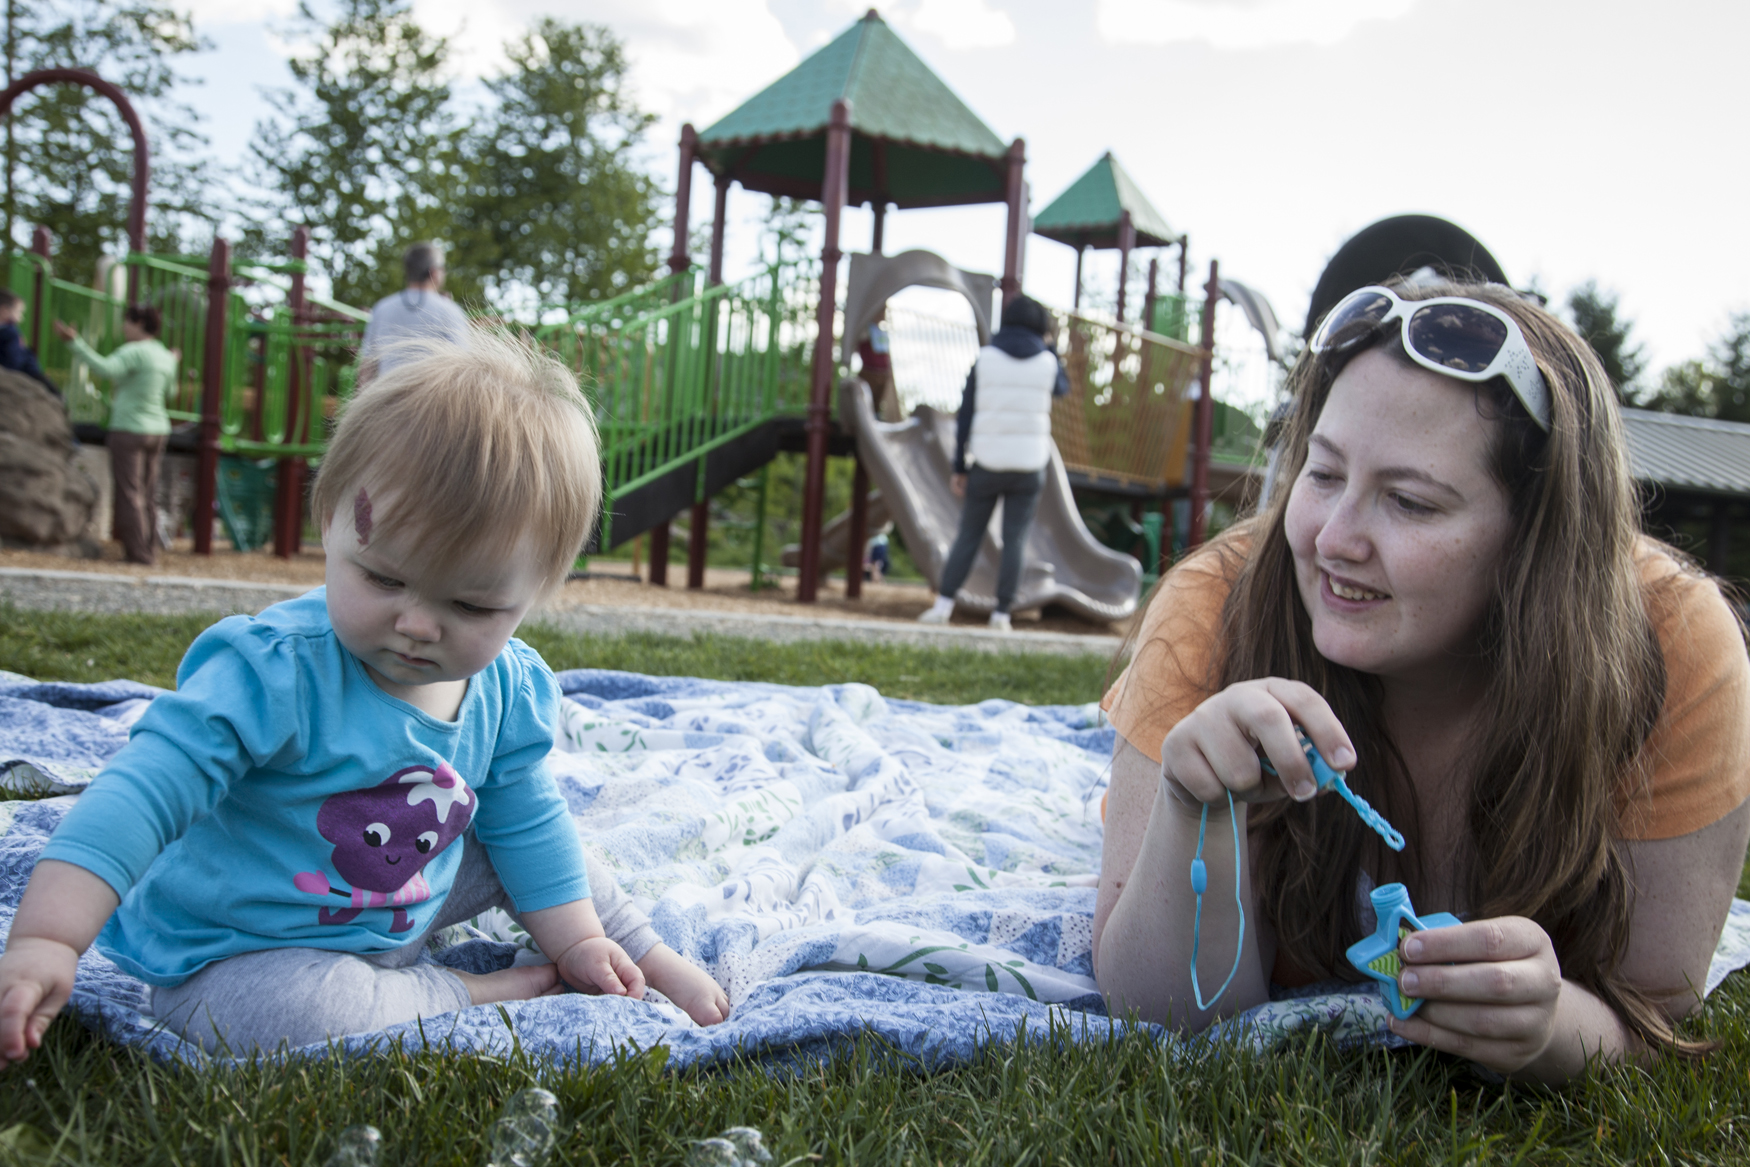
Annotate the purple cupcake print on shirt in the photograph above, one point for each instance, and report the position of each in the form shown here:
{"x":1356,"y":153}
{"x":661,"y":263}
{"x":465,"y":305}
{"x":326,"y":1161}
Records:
{"x":383,"y":837}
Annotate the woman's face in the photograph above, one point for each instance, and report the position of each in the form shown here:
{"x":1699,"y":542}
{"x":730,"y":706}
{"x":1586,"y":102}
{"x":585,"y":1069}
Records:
{"x":1395,"y":523}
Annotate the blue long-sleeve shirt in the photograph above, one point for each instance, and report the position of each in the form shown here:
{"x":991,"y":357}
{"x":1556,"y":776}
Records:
{"x":1019,"y":343}
{"x":17,"y":356}
{"x":279,"y":798}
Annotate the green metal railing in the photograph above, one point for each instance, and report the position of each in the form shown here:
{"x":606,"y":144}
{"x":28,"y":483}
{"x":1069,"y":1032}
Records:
{"x":265,"y":410}
{"x":673,"y":381}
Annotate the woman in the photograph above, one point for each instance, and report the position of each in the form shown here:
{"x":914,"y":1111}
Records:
{"x":1451,"y":596}
{"x":143,"y":372}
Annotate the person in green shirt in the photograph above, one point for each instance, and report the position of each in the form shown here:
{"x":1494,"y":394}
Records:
{"x":143,"y":373}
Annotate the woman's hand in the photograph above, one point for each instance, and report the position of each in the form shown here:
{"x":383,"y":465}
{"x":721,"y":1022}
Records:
{"x":65,"y":331}
{"x":1215,"y":749}
{"x":1492,"y":988}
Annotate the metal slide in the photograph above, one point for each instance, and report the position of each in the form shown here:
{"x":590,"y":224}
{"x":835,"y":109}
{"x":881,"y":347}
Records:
{"x":911,"y":462}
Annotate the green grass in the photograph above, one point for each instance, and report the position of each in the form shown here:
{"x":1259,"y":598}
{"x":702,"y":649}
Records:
{"x":59,"y":646}
{"x":83,"y":1100}
{"x":1122,"y":1102}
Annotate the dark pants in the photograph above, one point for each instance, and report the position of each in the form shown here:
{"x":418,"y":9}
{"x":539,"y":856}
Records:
{"x":1019,"y":491}
{"x":133,"y":463}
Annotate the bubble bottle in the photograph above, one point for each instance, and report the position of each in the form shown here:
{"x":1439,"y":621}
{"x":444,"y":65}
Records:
{"x":1377,"y":956}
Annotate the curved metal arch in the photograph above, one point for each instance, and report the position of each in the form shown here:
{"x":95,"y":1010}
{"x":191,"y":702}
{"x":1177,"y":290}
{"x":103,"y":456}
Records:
{"x":874,"y":278}
{"x":142,"y":156}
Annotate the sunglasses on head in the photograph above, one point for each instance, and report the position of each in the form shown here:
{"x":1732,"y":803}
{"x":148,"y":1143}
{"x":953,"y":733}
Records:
{"x":1450,"y":335}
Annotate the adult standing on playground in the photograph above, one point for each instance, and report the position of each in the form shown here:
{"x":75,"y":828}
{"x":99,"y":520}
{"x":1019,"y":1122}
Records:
{"x":1002,"y":445}
{"x":419,"y":311}
{"x":143,"y":373}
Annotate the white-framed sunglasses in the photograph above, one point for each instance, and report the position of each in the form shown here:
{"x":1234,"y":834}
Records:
{"x":1450,"y":335}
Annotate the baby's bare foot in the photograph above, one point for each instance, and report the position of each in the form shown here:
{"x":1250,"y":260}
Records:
{"x":511,"y":984}
{"x":686,"y":984}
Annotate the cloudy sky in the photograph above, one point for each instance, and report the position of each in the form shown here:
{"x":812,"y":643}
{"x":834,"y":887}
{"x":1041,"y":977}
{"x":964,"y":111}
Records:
{"x":1577,"y":139}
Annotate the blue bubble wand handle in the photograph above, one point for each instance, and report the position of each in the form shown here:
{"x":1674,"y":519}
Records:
{"x":1200,"y":884}
{"x":1327,"y":778}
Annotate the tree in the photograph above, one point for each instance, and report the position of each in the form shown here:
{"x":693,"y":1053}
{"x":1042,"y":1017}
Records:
{"x":69,"y":155}
{"x":555,"y":211}
{"x":364,"y":152}
{"x":1717,"y":387}
{"x":1594,"y":313}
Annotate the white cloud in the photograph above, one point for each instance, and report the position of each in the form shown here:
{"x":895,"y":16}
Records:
{"x":1240,"y":24}
{"x":692,"y":60}
{"x":222,"y":13}
{"x":963,"y":24}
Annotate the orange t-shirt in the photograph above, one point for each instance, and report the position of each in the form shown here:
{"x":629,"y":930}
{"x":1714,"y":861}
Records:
{"x":1699,"y":747}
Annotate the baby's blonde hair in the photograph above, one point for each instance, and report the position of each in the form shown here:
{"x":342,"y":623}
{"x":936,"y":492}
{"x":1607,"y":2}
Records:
{"x":473,"y":450}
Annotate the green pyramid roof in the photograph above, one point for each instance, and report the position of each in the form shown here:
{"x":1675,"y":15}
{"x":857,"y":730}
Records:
{"x":1088,"y":213}
{"x":913,"y":142}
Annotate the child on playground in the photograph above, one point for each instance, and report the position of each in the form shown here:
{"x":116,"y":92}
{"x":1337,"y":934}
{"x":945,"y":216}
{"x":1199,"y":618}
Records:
{"x":14,"y":353}
{"x":341,"y":776}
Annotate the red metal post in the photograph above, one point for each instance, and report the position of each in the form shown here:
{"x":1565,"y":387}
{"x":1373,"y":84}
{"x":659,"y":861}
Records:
{"x":832,"y":199}
{"x":1148,"y":299}
{"x":859,"y":533}
{"x":206,"y":481}
{"x":698,"y":535}
{"x":142,"y":156}
{"x":699,"y":531}
{"x":659,"y":555}
{"x":40,"y":242}
{"x":1204,"y":425}
{"x":719,"y":220}
{"x":683,"y":201}
{"x":678,"y":261}
{"x":1015,"y":187}
{"x":1126,"y":241}
{"x":288,"y":502}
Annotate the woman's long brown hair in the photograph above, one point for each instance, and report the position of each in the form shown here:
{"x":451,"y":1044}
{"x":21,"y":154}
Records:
{"x":1577,"y":681}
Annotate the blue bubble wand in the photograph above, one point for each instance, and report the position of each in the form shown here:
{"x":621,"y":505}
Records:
{"x":1326,"y":779}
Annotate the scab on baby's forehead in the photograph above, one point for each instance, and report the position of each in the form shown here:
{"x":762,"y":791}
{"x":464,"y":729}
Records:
{"x":361,"y":517}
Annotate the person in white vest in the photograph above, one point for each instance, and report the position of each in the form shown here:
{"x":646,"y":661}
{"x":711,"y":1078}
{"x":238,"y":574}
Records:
{"x":419,"y":311}
{"x":1001,"y":449}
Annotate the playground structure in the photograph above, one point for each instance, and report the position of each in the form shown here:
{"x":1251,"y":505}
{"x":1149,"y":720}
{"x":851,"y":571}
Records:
{"x":697,"y":383}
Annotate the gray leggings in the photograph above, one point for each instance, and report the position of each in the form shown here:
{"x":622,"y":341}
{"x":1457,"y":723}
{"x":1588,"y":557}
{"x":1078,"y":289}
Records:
{"x":304,"y":995}
{"x":1019,"y":491}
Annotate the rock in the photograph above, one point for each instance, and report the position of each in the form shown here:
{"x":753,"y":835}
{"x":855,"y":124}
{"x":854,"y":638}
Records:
{"x":45,"y":499}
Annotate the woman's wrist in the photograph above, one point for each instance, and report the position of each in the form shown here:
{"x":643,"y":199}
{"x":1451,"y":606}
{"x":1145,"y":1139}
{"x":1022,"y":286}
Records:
{"x":1185,"y":805}
{"x":1584,"y":1027}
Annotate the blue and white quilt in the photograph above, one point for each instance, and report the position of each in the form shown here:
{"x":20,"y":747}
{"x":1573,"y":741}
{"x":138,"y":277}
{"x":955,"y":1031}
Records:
{"x":841,"y":862}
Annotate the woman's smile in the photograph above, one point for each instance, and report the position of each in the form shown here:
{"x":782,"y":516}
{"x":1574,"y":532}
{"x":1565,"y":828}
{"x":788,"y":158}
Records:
{"x":1352,"y":594}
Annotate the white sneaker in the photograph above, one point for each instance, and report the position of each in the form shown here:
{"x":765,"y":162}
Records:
{"x":939,"y":612}
{"x":999,"y":622}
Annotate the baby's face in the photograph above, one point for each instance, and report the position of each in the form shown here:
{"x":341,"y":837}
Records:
{"x":408,"y":623}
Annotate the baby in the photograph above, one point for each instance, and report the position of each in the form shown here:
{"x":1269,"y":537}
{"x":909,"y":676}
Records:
{"x":339,"y":777}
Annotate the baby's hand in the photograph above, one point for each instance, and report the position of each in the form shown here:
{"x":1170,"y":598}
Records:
{"x":686,"y":984}
{"x":598,"y":965}
{"x":36,"y":978}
